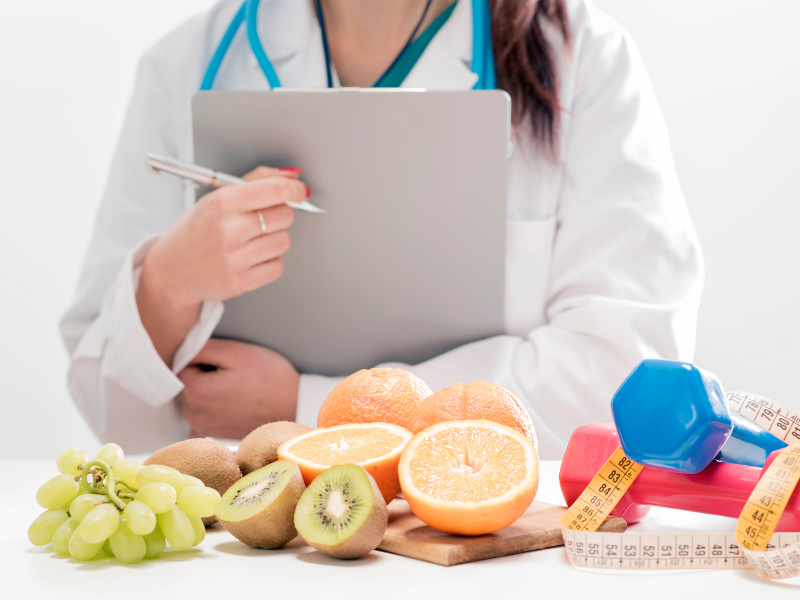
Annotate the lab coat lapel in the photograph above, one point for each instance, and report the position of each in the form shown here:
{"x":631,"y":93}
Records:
{"x":292,"y":39}
{"x":447,"y":61}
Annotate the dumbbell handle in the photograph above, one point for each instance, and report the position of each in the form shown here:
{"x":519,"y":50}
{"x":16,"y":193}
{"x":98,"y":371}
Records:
{"x":720,"y":489}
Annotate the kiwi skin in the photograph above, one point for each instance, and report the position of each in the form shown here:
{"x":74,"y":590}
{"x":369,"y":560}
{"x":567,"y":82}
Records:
{"x":211,"y":462}
{"x":273,"y":527}
{"x":363,"y":540}
{"x":260,"y":447}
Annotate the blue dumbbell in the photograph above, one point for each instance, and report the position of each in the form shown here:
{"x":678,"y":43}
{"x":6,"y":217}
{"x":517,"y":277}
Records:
{"x":673,"y":416}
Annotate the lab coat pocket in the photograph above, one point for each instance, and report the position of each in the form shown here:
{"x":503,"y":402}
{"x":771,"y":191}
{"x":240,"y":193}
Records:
{"x":529,"y":247}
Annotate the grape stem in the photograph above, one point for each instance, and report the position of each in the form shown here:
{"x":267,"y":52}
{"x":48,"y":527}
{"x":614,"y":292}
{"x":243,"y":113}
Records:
{"x":109,"y":482}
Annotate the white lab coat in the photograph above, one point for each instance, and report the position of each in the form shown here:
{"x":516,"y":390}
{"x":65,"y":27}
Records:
{"x":603,"y":267}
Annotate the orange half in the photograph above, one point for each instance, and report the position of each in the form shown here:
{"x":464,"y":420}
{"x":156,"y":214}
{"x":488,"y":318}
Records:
{"x":374,"y":446}
{"x":469,"y":477}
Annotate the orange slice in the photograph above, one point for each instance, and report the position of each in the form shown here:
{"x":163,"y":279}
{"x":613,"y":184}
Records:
{"x":374,"y":446}
{"x":469,"y":477}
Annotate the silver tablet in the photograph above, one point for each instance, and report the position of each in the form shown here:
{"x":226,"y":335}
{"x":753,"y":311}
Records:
{"x":409,"y":261}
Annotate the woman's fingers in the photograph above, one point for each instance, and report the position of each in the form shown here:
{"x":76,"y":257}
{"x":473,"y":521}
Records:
{"x":264,"y":273}
{"x":213,"y":353}
{"x":266,"y":247}
{"x":263,"y":172}
{"x":275,"y":218}
{"x":264,"y":193}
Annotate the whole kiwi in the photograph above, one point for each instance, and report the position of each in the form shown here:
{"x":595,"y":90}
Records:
{"x":260,"y":447}
{"x":211,"y":462}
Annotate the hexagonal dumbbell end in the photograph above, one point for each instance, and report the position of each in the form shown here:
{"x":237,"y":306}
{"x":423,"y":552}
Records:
{"x":672,"y":415}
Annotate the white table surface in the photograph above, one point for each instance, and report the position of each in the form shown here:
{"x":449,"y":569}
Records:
{"x":222,"y":566}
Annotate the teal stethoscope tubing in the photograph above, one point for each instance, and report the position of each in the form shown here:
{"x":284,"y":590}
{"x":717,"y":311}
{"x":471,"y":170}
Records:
{"x":482,"y":56}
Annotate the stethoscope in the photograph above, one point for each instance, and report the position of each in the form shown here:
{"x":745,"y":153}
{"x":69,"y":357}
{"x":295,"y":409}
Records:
{"x":482,"y":57}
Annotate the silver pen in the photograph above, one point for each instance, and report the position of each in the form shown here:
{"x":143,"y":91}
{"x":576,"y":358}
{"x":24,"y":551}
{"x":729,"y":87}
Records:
{"x":193,"y":175}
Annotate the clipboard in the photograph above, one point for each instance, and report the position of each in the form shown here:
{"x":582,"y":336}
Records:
{"x":409,"y":262}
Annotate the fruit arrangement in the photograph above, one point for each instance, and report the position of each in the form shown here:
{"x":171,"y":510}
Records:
{"x":464,"y":457}
{"x":125,"y":509}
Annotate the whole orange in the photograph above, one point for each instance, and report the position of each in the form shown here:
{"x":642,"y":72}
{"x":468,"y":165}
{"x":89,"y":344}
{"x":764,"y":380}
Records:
{"x":374,"y":396}
{"x":476,"y":400}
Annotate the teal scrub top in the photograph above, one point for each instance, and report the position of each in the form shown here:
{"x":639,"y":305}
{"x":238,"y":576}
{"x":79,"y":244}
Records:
{"x":395,"y":76}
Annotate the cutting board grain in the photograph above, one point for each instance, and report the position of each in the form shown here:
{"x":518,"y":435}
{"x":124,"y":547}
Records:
{"x":537,"y":528}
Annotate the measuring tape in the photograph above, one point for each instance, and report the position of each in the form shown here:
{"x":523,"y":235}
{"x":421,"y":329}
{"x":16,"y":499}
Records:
{"x":753,"y":546}
{"x":781,"y":422}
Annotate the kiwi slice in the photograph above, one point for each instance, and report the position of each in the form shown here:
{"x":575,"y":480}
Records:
{"x":258,"y":509}
{"x":342,"y":512}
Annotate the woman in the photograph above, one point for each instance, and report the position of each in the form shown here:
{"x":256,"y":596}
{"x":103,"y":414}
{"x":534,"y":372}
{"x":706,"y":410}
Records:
{"x":603,"y":266}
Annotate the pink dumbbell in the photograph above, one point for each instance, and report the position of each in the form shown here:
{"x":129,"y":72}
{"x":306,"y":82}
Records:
{"x":719,"y":489}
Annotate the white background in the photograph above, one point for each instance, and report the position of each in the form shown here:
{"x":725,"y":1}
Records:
{"x":727,"y":73}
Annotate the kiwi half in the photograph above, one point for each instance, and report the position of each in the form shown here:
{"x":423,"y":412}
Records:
{"x":342,"y":512}
{"x":260,"y":447}
{"x":258,"y":509}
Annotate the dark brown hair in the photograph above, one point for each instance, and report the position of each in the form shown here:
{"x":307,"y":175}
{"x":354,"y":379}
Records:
{"x":525,"y":63}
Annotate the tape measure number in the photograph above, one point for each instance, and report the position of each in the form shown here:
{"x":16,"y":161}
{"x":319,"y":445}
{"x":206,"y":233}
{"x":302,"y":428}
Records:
{"x":780,"y":421}
{"x":754,"y":545}
{"x":602,"y":494}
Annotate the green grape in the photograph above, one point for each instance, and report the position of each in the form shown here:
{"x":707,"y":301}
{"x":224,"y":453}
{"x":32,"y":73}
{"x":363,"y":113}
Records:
{"x":156,"y":543}
{"x":41,"y":531}
{"x":140,"y":517}
{"x":71,"y":461}
{"x":199,"y":501}
{"x":125,"y":472}
{"x":84,"y":504}
{"x":190,"y":481}
{"x":199,"y":530}
{"x":110,"y":454}
{"x":62,"y":535}
{"x":99,"y":524}
{"x":160,"y":473}
{"x":177,"y":528}
{"x":60,"y":490}
{"x":107,"y":548}
{"x":126,"y":545}
{"x":81,"y":549}
{"x":159,"y":496}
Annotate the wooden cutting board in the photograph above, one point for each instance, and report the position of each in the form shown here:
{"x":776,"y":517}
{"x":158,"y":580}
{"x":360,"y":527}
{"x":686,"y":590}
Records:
{"x":537,"y":528}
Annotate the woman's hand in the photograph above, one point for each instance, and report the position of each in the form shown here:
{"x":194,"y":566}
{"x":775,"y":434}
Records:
{"x":246,"y":387}
{"x":217,"y":250}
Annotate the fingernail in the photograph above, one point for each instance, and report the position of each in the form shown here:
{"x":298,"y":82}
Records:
{"x":308,"y":191}
{"x":291,"y":170}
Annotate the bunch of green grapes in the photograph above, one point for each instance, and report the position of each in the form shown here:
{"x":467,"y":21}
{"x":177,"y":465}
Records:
{"x":123,"y":508}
